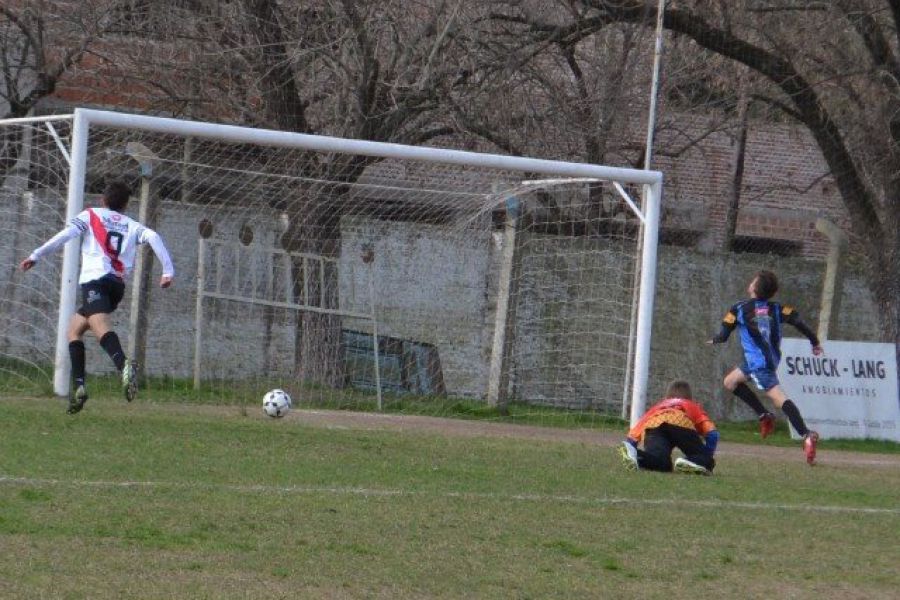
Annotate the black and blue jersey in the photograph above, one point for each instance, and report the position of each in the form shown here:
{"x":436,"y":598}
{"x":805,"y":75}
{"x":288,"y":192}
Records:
{"x":760,"y":324}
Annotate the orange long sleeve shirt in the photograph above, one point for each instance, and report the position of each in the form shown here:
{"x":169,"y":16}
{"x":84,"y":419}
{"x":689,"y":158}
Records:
{"x":675,"y":411}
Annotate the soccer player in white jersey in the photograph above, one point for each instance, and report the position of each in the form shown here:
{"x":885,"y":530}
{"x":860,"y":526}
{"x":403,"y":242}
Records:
{"x":108,"y":247}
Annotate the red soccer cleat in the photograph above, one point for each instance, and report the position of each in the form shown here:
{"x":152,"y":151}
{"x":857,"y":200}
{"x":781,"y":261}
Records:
{"x":809,"y":446}
{"x":767,"y":425}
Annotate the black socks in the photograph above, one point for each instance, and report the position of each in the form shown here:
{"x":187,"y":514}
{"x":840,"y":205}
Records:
{"x":110,"y":343}
{"x":793,"y":414}
{"x":76,"y":354}
{"x":743,"y":392}
{"x":790,"y":409}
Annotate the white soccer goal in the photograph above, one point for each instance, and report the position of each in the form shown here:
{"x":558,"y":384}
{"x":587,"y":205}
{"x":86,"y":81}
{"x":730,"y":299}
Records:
{"x":345,"y":271}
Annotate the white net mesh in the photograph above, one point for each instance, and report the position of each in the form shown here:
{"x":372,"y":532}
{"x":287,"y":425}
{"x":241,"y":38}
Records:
{"x":289,"y":262}
{"x":33,"y":173}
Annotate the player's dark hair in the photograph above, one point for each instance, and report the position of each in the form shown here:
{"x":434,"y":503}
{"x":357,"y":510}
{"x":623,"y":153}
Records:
{"x":116,"y":195}
{"x":766,"y":285}
{"x":679,"y":389}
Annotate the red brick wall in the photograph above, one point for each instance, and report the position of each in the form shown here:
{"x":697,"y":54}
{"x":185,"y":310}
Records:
{"x":785,"y":186}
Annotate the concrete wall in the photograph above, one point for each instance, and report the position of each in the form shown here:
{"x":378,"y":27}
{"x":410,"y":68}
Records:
{"x":431,"y":286}
{"x":695,"y":290}
{"x":438,"y":286}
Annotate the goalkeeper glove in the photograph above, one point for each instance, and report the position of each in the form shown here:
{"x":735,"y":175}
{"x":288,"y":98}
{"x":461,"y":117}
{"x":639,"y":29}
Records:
{"x":712,"y":440}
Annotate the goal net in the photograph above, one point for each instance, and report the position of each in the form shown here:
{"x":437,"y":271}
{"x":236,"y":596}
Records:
{"x":351,"y":274}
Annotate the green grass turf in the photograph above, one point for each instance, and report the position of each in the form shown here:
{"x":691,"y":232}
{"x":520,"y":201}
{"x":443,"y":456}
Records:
{"x":20,"y":380}
{"x":166,"y":500}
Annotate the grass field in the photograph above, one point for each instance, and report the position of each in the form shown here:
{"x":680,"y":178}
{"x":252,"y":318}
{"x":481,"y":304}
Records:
{"x":174,"y":501}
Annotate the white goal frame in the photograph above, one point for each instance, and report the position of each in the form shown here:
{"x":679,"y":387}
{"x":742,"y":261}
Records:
{"x":83,"y":119}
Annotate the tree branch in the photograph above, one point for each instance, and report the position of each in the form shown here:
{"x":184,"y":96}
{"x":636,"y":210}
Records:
{"x":868,"y":29}
{"x":426,"y":135}
{"x":279,"y":85}
{"x":858,"y":198}
{"x":15,"y":20}
{"x":895,"y":13}
{"x":783,"y":107}
{"x":487,"y":133}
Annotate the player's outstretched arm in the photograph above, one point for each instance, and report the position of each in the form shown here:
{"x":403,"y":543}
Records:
{"x":159,"y":249}
{"x":722,"y":336}
{"x":793,"y":317}
{"x":729,"y":322}
{"x":52,"y":245}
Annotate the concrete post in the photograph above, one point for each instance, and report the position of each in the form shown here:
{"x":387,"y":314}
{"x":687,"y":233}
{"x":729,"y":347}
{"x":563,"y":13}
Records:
{"x":137,"y":321}
{"x":834,"y":278}
{"x":498,"y":378}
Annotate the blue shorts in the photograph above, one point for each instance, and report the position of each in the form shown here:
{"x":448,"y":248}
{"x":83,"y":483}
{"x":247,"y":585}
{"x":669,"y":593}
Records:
{"x":764,"y":379}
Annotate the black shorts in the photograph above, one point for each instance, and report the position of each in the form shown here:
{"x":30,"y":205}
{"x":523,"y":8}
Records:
{"x":659,"y":442}
{"x":101,"y":295}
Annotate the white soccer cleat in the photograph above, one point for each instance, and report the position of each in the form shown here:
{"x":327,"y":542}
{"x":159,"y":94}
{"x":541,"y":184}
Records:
{"x":129,"y":380}
{"x":683,"y":465}
{"x":76,"y":402}
{"x":629,"y":456}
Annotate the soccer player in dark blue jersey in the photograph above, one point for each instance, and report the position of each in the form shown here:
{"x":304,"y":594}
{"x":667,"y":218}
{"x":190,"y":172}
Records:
{"x":759,"y":322}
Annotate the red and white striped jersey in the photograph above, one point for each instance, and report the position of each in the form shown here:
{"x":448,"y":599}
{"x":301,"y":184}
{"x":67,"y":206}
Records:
{"x":109,"y":244}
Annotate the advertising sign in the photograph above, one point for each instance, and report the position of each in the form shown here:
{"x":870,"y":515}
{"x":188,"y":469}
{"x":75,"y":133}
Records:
{"x":850,"y":391}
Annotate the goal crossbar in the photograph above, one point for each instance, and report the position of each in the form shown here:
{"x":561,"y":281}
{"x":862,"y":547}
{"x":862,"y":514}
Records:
{"x":286,"y":139}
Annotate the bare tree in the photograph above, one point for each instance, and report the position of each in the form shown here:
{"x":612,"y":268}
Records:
{"x":558,"y":95}
{"x":39,"y":45}
{"x":835,"y":68}
{"x":31,"y":60}
{"x":562,"y":79}
{"x":375,"y":71}
{"x":352,"y":69}
{"x":574,"y":86}
{"x":348,"y":68}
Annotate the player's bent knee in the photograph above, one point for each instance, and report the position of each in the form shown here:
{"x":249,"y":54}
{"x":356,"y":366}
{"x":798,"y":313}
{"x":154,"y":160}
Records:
{"x":77,"y":326}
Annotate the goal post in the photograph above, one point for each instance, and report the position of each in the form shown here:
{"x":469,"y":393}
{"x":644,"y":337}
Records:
{"x":62,"y":371}
{"x":562,"y":306}
{"x":646,"y":297}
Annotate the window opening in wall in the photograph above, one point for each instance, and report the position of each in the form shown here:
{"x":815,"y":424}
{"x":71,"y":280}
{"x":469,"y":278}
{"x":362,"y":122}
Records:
{"x":246,"y":235}
{"x":685,"y":238}
{"x":761,"y":245}
{"x":205,"y":229}
{"x":407,"y":367}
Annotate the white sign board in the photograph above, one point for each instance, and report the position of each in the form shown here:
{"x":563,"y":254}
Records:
{"x":850,"y":391}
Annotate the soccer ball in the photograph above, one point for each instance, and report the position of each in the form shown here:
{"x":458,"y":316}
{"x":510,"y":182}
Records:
{"x":276,"y":403}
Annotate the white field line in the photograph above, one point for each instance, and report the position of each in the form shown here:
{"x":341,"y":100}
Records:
{"x":359,"y":491}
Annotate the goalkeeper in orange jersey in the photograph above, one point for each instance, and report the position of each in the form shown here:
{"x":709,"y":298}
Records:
{"x":674,"y":422}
